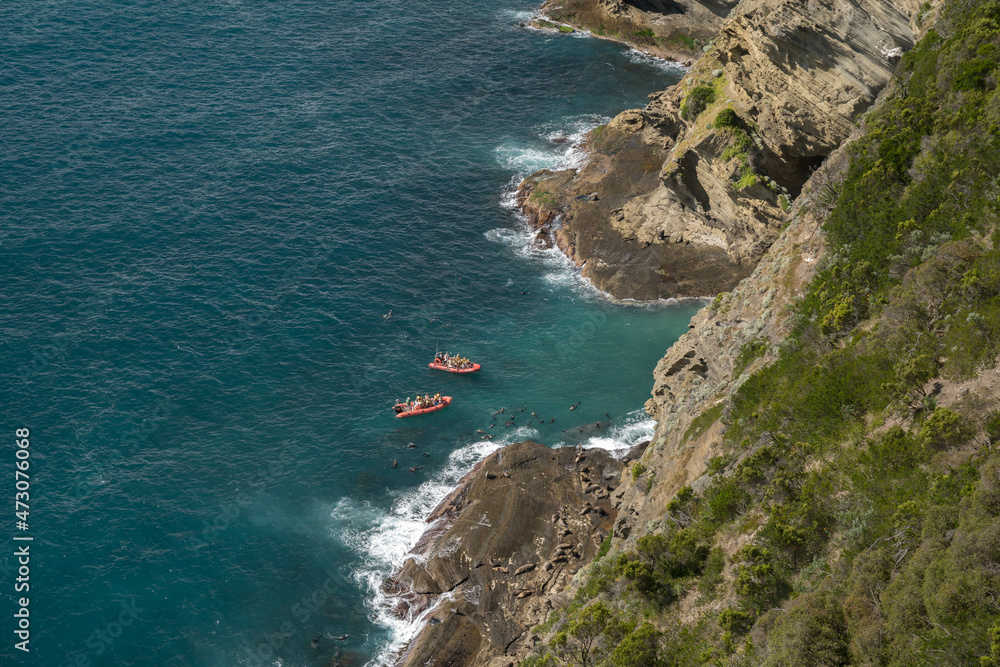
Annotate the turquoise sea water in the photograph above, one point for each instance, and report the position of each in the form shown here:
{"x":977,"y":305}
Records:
{"x":207,"y":208}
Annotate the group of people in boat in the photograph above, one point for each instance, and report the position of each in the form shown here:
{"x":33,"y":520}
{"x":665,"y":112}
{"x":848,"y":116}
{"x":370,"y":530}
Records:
{"x":455,"y":361}
{"x":425,"y":401}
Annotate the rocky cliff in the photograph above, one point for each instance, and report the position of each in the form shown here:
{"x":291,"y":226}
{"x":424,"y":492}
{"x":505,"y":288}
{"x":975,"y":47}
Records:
{"x":682,"y":198}
{"x":821,"y":487}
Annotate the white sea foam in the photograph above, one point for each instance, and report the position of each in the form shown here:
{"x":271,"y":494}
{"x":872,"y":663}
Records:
{"x":636,"y":427}
{"x":558,"y":146}
{"x":383,"y":539}
{"x":671,"y":67}
{"x":561,"y":273}
{"x":518,"y":16}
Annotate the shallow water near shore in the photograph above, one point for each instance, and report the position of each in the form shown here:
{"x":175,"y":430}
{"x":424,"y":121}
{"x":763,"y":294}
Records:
{"x":208,"y":211}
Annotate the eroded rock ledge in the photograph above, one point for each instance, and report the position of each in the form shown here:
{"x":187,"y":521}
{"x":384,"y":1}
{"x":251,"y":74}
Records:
{"x":502,"y":547}
{"x":670,"y":203}
{"x":674,"y":29}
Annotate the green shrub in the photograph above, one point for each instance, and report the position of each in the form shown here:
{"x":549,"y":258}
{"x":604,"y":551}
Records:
{"x":943,"y":428}
{"x":735,"y":621}
{"x":697,"y":101}
{"x":747,"y":180}
{"x":640,"y":648}
{"x":812,"y":633}
{"x":992,"y":427}
{"x":993,"y":659}
{"x":724,"y":499}
{"x":712,"y":574}
{"x":750,"y":351}
{"x":759,"y":583}
{"x":638,"y":469}
{"x":546,"y":659}
{"x":728,"y":118}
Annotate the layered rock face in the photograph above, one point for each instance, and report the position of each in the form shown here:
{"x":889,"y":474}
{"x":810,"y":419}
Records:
{"x":501,"y":547}
{"x":632,"y":237}
{"x":804,"y":71}
{"x":669,"y":207}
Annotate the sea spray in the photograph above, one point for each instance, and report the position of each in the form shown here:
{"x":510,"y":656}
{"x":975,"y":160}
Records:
{"x":557,"y":146}
{"x":636,"y":427}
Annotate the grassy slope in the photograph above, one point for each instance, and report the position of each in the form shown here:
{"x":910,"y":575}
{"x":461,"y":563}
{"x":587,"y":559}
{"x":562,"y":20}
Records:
{"x":869,"y":514}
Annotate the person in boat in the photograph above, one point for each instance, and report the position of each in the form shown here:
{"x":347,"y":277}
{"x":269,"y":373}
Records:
{"x":437,"y":399}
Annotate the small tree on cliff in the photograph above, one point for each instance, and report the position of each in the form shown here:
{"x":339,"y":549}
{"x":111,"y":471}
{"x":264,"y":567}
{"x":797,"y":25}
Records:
{"x":582,"y":640}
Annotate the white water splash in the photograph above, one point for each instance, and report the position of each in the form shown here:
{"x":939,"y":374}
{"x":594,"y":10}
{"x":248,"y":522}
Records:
{"x":561,"y":273}
{"x":518,"y":16}
{"x":671,"y":67}
{"x":559,"y":146}
{"x":634,"y":428}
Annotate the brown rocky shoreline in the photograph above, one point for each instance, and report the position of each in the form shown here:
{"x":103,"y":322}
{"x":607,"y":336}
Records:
{"x":503,"y":548}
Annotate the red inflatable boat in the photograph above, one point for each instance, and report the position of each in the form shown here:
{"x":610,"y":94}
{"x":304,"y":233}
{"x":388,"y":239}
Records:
{"x":451,"y":369}
{"x":401,"y":410}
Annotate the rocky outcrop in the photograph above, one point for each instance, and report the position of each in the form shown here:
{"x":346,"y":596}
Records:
{"x":710,"y":362}
{"x":675,"y":207}
{"x":654,"y":214}
{"x":502,"y":547}
{"x":677,"y":29}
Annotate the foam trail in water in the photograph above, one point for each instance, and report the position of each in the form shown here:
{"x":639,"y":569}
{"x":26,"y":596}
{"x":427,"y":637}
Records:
{"x":383,"y":539}
{"x":519,"y":16}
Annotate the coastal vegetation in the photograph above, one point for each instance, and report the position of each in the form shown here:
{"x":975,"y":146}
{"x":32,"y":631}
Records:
{"x":853,"y":517}
{"x":698,"y":100}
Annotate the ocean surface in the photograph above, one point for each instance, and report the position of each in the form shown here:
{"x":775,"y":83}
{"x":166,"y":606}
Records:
{"x":208,"y":212}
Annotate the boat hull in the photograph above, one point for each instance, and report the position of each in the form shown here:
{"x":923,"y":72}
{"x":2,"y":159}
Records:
{"x":445,"y":401}
{"x":448,"y":369}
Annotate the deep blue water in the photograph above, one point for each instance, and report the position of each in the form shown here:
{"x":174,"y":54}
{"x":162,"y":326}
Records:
{"x":207,"y":208}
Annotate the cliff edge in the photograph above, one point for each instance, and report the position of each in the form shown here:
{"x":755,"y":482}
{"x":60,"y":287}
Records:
{"x":682,"y":198}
